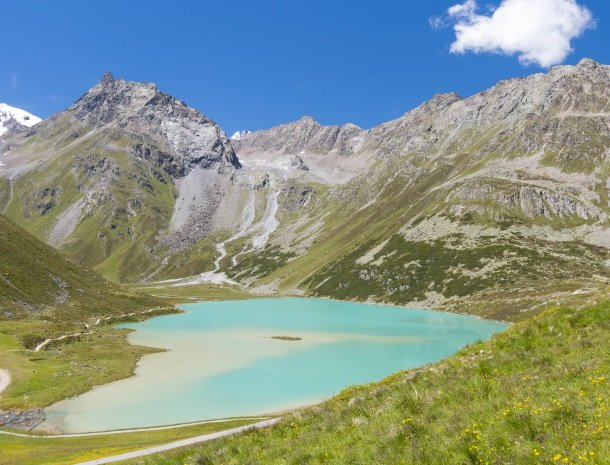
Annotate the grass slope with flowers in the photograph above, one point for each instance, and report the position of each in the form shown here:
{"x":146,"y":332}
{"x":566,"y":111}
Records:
{"x":537,"y":393}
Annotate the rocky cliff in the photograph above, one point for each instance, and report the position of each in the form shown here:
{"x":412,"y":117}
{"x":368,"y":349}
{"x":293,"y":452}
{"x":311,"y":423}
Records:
{"x":176,"y":137}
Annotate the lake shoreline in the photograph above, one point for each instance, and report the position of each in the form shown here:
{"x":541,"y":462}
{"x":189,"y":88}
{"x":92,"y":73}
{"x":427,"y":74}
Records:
{"x":308,"y":338}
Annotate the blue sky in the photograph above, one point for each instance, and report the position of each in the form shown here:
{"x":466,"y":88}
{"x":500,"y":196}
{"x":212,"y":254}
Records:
{"x":252,"y":65}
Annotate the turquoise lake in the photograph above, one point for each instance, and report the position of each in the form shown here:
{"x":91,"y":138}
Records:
{"x":222,"y":360}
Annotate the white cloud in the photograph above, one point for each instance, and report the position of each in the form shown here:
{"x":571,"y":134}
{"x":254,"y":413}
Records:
{"x":538,"y":31}
{"x":436,"y":22}
{"x":466,"y":9}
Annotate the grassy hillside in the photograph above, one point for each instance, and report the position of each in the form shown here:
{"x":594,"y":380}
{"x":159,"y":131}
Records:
{"x":420,"y":244}
{"x":493,"y":195}
{"x":43,"y":295}
{"x":112,"y":236}
{"x":535,"y":394}
{"x":37,"y":282}
{"x":61,"y":451}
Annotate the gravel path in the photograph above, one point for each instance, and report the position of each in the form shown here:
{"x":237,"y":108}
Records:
{"x":123,"y":431}
{"x":178,"y":444}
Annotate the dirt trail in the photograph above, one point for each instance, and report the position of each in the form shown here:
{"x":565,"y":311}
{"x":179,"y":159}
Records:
{"x":125,"y":431}
{"x":88,"y":330}
{"x":181,"y":443}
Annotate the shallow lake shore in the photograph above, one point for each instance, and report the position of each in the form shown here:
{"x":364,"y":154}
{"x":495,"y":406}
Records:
{"x":259,"y":373}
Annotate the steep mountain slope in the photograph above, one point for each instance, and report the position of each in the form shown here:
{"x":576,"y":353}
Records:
{"x":38,"y":283}
{"x":45,"y":296}
{"x":136,"y":184}
{"x":490,"y":204}
{"x":14,"y":119}
{"x":101,"y":179}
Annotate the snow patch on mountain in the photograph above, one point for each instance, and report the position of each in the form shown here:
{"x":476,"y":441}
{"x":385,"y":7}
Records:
{"x":10,"y":114}
{"x":239,"y":134}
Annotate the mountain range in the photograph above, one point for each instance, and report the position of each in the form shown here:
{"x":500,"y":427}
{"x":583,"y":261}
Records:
{"x":493,"y":204}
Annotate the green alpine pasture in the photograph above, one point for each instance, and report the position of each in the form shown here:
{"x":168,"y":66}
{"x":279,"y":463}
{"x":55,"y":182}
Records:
{"x":44,"y":294}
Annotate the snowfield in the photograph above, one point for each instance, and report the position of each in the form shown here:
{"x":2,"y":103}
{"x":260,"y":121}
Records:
{"x":21,"y":116}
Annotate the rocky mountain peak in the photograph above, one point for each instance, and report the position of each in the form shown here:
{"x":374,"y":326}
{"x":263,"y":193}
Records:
{"x":307,"y":120}
{"x":564,"y":90}
{"x":588,"y":63}
{"x":239,"y":134}
{"x":107,"y":77}
{"x":585,"y":69}
{"x":112,"y":99}
{"x":542,"y":100}
{"x":159,"y":122}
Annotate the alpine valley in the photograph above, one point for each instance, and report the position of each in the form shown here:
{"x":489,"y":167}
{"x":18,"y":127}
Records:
{"x":496,"y":205}
{"x":493,"y":205}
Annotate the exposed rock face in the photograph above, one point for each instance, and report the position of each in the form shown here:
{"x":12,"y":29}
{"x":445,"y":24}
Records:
{"x":177,"y":137}
{"x":45,"y":199}
{"x":539,"y":102}
{"x":564,"y":93}
{"x":529,"y":200}
{"x":304,"y":135}
{"x":298,"y":163}
{"x":117,"y":157}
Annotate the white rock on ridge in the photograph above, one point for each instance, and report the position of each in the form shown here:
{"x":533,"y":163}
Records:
{"x":237,"y":135}
{"x":10,"y":116}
